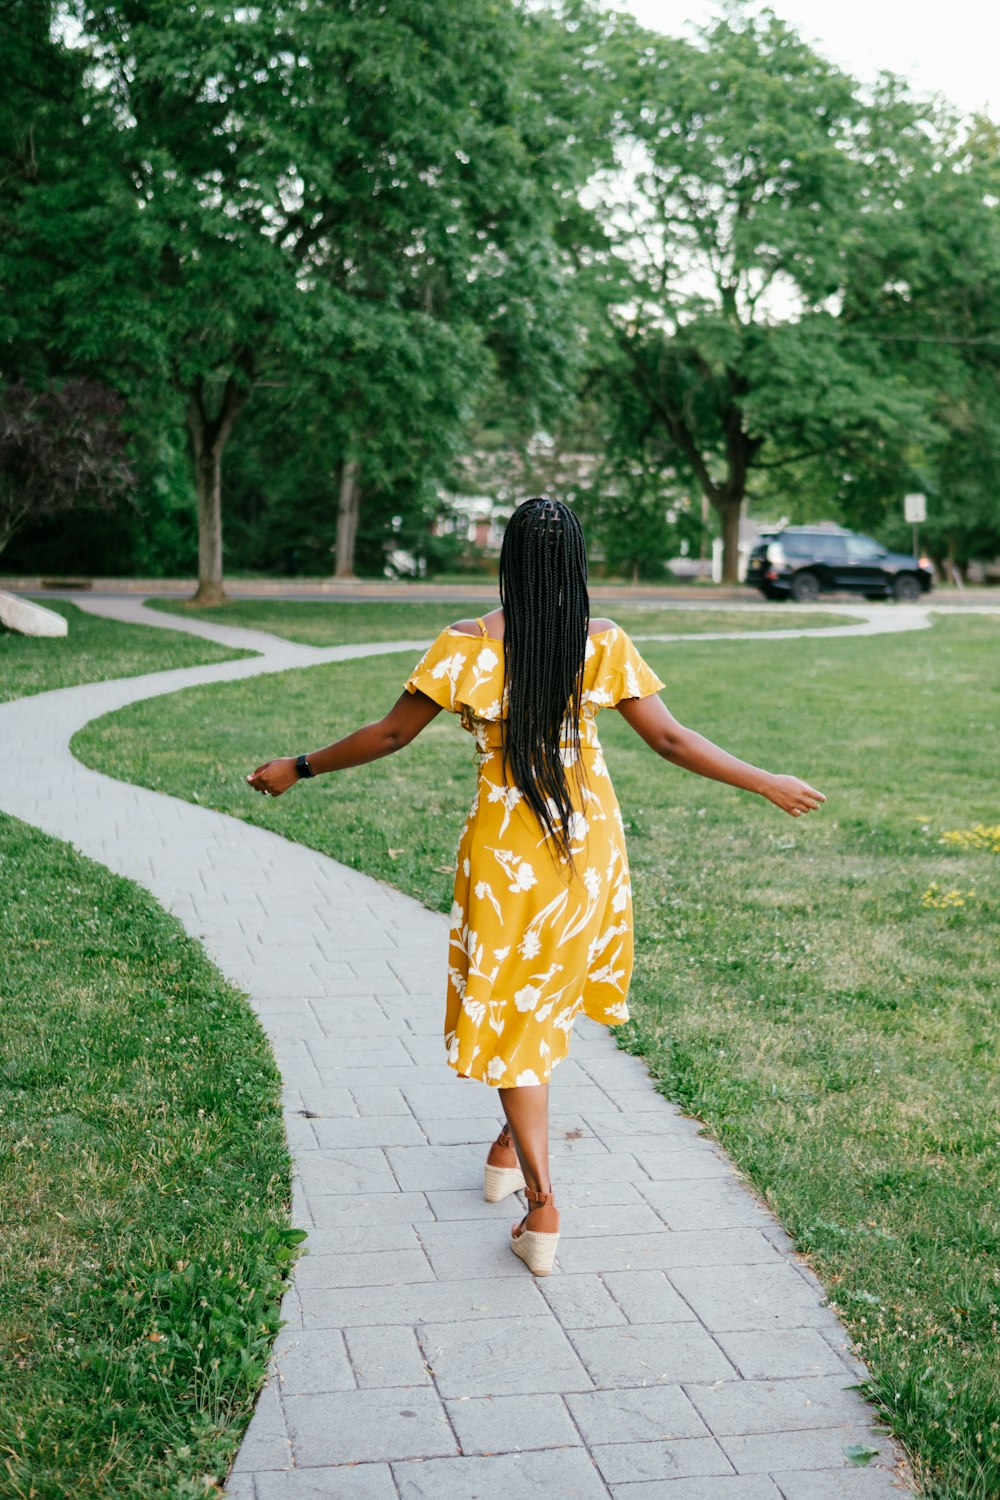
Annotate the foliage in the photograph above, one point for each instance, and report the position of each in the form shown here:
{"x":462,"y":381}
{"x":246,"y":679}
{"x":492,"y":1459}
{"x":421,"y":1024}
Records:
{"x":60,"y":449}
{"x":782,"y":255}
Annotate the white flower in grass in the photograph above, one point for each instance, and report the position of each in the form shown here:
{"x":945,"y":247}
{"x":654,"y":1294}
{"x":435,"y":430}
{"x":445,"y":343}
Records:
{"x":527,"y":998}
{"x":495,"y":1068}
{"x":525,"y":1079}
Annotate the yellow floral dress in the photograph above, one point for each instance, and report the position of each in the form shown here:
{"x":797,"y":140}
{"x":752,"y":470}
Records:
{"x":530,"y":943}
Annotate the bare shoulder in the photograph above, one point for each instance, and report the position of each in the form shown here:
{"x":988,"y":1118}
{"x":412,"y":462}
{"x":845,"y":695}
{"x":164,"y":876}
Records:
{"x":465,"y":627}
{"x":598,"y":627}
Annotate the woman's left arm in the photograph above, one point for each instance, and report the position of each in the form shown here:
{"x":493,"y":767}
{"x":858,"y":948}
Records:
{"x":653,"y":722}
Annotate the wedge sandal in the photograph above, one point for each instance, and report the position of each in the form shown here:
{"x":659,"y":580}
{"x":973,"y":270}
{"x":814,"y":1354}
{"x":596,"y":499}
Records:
{"x":500,"y":1182}
{"x":536,"y":1248}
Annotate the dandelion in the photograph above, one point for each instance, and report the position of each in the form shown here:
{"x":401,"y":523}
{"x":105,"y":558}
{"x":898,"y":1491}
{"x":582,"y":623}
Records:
{"x":937,"y":899}
{"x":978,"y":837}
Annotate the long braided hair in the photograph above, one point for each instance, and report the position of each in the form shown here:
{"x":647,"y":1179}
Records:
{"x":543,"y":592}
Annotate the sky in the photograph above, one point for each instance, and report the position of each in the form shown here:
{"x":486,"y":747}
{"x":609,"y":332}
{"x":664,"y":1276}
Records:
{"x":949,"y":47}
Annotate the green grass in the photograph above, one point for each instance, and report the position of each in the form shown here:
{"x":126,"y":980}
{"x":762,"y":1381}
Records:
{"x":145,"y":1183}
{"x":95,"y":650}
{"x":795,"y":987}
{"x":318,"y":623}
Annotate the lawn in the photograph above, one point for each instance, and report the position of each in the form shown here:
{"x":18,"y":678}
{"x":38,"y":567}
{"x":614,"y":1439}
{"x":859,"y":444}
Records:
{"x":318,"y":623}
{"x":95,"y":650}
{"x":822,"y":993}
{"x":146,"y":1188}
{"x":143,"y":1167}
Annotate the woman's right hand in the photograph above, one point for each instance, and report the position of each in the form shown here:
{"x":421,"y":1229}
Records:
{"x":792,"y":795}
{"x":274,"y":776}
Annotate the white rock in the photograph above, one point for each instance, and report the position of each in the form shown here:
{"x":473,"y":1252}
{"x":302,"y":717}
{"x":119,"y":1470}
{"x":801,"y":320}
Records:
{"x":28,"y":618}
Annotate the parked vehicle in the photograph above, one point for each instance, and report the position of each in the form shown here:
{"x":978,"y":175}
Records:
{"x":802,"y":562}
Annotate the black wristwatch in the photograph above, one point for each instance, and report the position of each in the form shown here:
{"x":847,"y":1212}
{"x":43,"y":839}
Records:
{"x":302,"y":767}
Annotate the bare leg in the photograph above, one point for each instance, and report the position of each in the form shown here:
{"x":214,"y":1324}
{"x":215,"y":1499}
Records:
{"x":527,"y":1111}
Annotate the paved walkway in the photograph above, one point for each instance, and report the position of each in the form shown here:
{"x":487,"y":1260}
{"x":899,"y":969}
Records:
{"x":681,"y":1350}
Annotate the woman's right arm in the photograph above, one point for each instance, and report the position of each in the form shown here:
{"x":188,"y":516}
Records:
{"x":653,"y":721}
{"x":411,"y":713}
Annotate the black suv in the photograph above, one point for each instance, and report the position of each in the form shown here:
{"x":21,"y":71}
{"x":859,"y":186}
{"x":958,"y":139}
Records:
{"x":804,"y":561}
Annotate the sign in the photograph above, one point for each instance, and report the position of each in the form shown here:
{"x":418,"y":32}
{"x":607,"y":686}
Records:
{"x":915,"y":509}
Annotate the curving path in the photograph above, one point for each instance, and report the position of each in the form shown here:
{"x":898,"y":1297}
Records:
{"x":683,"y":1350}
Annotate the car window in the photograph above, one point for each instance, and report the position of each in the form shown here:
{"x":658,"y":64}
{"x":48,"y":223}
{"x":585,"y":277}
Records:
{"x":863,"y":549}
{"x":828,"y":549}
{"x":796,"y":545}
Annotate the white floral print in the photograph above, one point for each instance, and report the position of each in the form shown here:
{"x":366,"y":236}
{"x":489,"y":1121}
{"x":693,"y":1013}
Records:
{"x":533,"y":941}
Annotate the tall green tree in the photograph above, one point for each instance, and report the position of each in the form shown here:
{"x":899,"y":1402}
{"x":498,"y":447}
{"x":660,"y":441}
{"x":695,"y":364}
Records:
{"x":741,"y":187}
{"x":316,"y":195}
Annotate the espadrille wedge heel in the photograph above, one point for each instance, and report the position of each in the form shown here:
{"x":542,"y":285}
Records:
{"x":535,"y":1248}
{"x":500,"y":1182}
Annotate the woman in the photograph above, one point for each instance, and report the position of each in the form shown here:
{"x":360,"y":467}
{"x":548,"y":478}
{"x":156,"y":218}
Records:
{"x":541,"y":921}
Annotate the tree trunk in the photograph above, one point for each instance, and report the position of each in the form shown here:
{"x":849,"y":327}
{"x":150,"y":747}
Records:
{"x":729,"y":511}
{"x":208,"y":487}
{"x":209,"y":436}
{"x":347,"y":518}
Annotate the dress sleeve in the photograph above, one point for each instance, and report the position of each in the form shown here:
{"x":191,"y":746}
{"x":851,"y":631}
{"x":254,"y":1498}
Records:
{"x":441,"y":668}
{"x":621,"y":672}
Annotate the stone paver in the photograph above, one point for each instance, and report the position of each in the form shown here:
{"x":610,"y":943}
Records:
{"x":680,"y":1350}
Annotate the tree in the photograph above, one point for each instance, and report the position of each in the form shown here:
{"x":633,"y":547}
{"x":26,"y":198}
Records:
{"x":311,"y":187}
{"x":742,"y":186}
{"x":59,"y":449}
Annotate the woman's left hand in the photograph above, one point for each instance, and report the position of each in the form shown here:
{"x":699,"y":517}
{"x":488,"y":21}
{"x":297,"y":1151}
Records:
{"x":274,"y":776}
{"x":792,"y":795}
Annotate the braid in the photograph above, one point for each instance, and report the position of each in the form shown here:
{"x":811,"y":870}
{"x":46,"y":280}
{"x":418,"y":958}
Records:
{"x":543,"y":592}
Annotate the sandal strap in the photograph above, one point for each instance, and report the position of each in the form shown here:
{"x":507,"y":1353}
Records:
{"x":538,"y":1198}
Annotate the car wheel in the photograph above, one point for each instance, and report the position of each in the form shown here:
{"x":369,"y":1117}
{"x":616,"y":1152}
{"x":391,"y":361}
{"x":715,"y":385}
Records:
{"x":805,"y":588}
{"x":906,"y":588}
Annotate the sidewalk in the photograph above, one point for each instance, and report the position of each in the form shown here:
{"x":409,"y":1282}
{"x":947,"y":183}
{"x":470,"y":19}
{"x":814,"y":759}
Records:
{"x":680,"y":1350}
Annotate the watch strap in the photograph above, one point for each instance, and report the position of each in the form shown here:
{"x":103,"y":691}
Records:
{"x":302,"y":767}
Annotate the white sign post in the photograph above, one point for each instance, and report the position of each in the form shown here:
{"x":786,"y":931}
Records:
{"x":915,"y":512}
